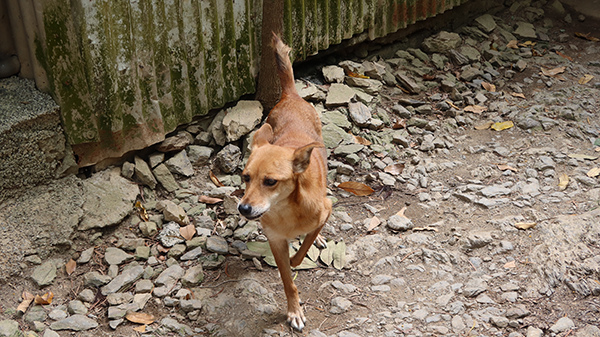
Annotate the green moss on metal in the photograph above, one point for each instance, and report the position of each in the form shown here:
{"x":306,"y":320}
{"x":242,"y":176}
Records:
{"x":60,"y":56}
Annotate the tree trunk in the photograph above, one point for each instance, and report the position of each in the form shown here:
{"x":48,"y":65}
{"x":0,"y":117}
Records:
{"x":268,"y":89}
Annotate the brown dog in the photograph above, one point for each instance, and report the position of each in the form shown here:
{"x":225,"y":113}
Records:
{"x":286,"y":181}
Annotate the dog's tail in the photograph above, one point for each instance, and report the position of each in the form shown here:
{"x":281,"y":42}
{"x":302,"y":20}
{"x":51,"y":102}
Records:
{"x":284,"y":66}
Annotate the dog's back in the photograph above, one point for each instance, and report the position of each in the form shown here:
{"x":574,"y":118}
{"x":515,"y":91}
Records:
{"x":295,"y":122}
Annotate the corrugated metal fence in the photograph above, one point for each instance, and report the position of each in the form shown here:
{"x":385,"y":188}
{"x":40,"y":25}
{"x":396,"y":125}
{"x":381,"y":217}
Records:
{"x":125,"y":73}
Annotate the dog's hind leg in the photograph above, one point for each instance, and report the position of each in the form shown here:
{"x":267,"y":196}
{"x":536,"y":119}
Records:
{"x":280,"y":250}
{"x":308,"y":240}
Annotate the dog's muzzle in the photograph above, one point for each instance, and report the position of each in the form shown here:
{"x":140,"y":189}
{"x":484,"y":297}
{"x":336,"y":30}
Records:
{"x":247,"y":211}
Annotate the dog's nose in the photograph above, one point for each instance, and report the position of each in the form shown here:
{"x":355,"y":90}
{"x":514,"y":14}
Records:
{"x":245,"y":209}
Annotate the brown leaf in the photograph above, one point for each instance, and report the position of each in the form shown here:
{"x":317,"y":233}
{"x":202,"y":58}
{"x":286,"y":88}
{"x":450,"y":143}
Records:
{"x":475,"y":109}
{"x":512,"y":44}
{"x":510,"y":264}
{"x":563,"y":181}
{"x":44,"y":299}
{"x":564,"y":56}
{"x":70,"y":266}
{"x":517,"y":94}
{"x":450,"y":103}
{"x":527,"y":44}
{"x":401,"y":212}
{"x":140,"y":328}
{"x":356,"y":188}
{"x":401,"y":124}
{"x":143,"y":214}
{"x":553,"y":72}
{"x":209,"y":200}
{"x":594,"y":172}
{"x":585,"y":79}
{"x":525,"y":225}
{"x":215,"y":180}
{"x":187,"y":232}
{"x":488,"y":86}
{"x":484,"y":126}
{"x":27,"y":299}
{"x":361,"y":140}
{"x":373,"y":223}
{"x":140,"y":318}
{"x":587,"y":37}
{"x":394,"y":169}
{"x":237,"y":193}
{"x":504,"y":167}
{"x":499,"y":126}
{"x":352,"y":74}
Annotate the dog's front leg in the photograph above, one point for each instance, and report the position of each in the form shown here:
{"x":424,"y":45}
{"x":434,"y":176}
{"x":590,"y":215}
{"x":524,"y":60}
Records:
{"x":280,"y":250}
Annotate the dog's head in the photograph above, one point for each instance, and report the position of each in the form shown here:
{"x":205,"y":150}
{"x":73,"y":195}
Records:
{"x":272,"y":172}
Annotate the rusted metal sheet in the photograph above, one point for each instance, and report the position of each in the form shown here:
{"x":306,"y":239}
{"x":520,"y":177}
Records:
{"x":314,"y":25}
{"x":127,"y":72}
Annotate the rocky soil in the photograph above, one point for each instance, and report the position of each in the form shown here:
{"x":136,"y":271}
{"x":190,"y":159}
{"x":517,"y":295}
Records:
{"x":480,"y":146}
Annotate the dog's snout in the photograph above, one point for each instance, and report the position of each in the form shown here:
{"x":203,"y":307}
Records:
{"x":245,"y":209}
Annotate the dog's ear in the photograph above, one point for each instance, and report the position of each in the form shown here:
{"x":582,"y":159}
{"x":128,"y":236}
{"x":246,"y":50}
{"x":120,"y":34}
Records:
{"x":302,"y":157}
{"x":262,"y":136}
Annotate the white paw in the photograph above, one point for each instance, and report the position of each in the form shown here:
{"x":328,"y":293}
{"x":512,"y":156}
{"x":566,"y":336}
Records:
{"x":296,"y":321}
{"x":320,"y":242}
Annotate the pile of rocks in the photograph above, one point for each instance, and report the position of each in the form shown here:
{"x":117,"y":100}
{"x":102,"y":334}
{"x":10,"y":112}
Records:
{"x":404,"y":126}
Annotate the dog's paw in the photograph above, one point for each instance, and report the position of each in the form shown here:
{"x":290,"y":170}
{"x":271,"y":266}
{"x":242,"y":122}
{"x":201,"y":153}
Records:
{"x":296,"y":320}
{"x":320,"y":242}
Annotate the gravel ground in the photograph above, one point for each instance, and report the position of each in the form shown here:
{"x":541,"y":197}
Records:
{"x":480,"y":151}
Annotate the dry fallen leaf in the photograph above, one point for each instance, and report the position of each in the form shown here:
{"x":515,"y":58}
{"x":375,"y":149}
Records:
{"x":488,"y":86}
{"x":401,"y":124}
{"x":394,"y":169}
{"x":504,"y":167}
{"x":581,"y":156}
{"x":209,"y":200}
{"x":143,"y":214}
{"x":361,"y":140}
{"x":401,"y":212}
{"x":502,"y":125}
{"x":140,"y":318}
{"x":70,"y":266}
{"x":594,"y":172}
{"x":527,"y":44}
{"x":187,"y":232}
{"x":27,"y":299}
{"x":511,"y":264}
{"x":215,"y":180}
{"x":553,"y":72}
{"x":585,"y":79}
{"x":356,"y":188}
{"x":484,"y":126}
{"x":525,"y":225}
{"x":587,"y":37}
{"x":517,"y":94}
{"x":563,"y":181}
{"x":450,"y":103}
{"x":512,"y":44}
{"x":373,"y":223}
{"x":475,"y":109}
{"x":140,"y":328}
{"x":44,"y":299}
{"x":352,"y":74}
{"x":564,"y":56}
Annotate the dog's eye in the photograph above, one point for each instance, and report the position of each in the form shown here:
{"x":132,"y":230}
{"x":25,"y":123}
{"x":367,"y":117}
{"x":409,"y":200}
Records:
{"x":269,"y":182}
{"x":246,"y":178}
